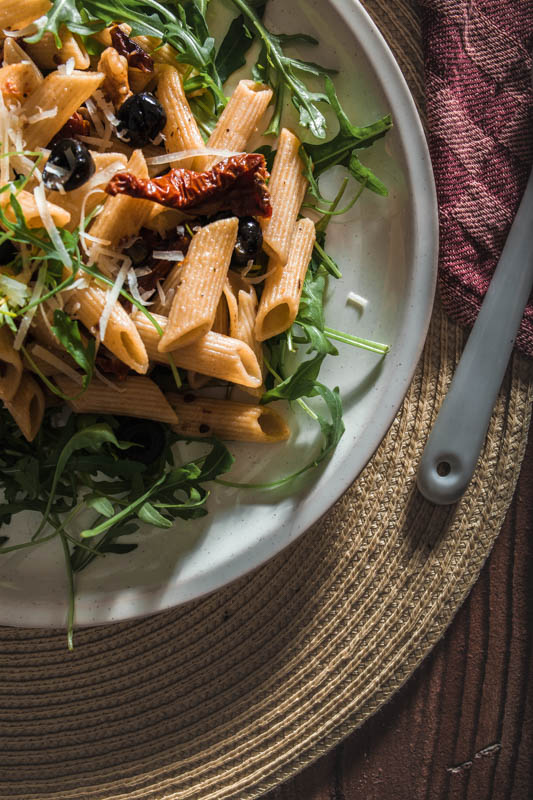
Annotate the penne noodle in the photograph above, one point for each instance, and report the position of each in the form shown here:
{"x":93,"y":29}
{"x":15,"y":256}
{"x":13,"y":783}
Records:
{"x":27,"y":407}
{"x":238,"y":121}
{"x":17,"y":14}
{"x":31,"y":213}
{"x":181,"y":131}
{"x":121,"y":335}
{"x":283,"y":287}
{"x":287,"y":187}
{"x":14,"y":54}
{"x":18,"y":81}
{"x":140,"y":398}
{"x":10,"y":366}
{"x":62,"y":92}
{"x":121,"y":216}
{"x":226,"y":419}
{"x":200,"y":284}
{"x":214,"y":354}
{"x":244,"y":327}
{"x":47,"y":55}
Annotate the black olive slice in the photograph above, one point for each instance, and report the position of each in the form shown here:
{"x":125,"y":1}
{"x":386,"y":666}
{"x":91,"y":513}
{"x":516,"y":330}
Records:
{"x":69,"y":165}
{"x":142,"y":118}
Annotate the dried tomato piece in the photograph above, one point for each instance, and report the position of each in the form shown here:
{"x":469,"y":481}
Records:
{"x":236,"y":184}
{"x":73,"y":127}
{"x":136,"y":56}
{"x":109,"y":364}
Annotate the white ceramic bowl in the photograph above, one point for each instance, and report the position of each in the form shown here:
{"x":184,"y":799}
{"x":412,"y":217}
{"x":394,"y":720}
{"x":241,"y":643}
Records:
{"x":387,"y":250}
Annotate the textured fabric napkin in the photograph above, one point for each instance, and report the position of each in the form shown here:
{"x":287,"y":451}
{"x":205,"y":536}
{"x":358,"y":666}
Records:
{"x":477,"y":56}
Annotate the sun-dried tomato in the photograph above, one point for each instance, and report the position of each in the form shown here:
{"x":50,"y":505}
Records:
{"x":109,"y":364}
{"x":136,"y":56}
{"x":236,"y":184}
{"x":75,"y":126}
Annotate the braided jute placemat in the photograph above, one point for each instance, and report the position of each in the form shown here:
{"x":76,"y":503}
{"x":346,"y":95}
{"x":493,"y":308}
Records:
{"x":228,"y":696}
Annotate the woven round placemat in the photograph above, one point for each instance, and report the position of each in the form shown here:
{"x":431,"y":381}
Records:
{"x":228,"y":696}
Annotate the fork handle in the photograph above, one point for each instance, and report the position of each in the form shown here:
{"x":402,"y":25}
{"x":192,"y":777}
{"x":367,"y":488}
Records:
{"x":455,"y":442}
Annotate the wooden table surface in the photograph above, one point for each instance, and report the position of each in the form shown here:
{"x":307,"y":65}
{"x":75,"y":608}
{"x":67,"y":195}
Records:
{"x":462,"y":726}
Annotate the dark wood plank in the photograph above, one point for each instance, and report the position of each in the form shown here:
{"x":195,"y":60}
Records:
{"x":462,"y":727}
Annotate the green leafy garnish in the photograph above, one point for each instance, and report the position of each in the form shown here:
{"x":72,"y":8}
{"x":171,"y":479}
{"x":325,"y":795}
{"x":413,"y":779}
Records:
{"x":282,"y":73}
{"x":231,"y":54}
{"x":343,"y":147}
{"x":68,"y":332}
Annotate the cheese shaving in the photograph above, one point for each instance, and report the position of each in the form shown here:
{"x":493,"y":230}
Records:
{"x":28,"y":316}
{"x":58,"y":363}
{"x":168,"y":255}
{"x":40,"y":114}
{"x":357,"y":300}
{"x":29,"y":30}
{"x":46,"y":217}
{"x":101,"y":143}
{"x":67,"y":68}
{"x":182,"y":155}
{"x":112,"y":297}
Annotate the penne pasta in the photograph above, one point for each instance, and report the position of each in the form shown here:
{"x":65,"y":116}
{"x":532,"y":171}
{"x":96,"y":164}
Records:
{"x":121,"y":216}
{"x":47,"y":55}
{"x":10,"y":366}
{"x":238,"y":121}
{"x":214,"y":354}
{"x":121,"y":335}
{"x":60,"y":216}
{"x":65,"y":94}
{"x":14,"y":54}
{"x":138,"y":397}
{"x":17,"y":14}
{"x":18,"y":81}
{"x":27,"y":407}
{"x":181,"y":131}
{"x":200,"y":284}
{"x":228,"y":420}
{"x":283,"y":287}
{"x":287,"y":187}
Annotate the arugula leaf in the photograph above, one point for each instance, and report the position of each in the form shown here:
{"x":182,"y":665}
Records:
{"x":65,"y":12}
{"x":231,"y":54}
{"x":341,"y":149}
{"x":68,"y":332}
{"x":90,"y":438}
{"x":300,"y":384}
{"x":310,"y":315}
{"x":280,"y":71}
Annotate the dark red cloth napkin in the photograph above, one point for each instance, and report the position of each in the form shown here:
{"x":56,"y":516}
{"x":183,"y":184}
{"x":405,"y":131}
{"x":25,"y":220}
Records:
{"x":477,"y":56}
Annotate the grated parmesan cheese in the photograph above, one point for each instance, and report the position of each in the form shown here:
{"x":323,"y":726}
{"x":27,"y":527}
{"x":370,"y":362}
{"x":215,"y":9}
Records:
{"x":112,"y":296}
{"x":182,"y":155}
{"x":59,"y":363}
{"x":356,"y":300}
{"x":40,"y":114}
{"x":168,"y":255}
{"x":67,"y":68}
{"x":48,"y":222}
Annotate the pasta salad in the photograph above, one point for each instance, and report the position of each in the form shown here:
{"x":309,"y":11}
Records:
{"x":163,"y":258}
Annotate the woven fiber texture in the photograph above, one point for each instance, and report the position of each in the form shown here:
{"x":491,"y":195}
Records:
{"x":480,"y":117}
{"x":226,"y":697}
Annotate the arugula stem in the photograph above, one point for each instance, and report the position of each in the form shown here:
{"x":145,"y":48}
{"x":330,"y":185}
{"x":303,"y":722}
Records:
{"x":71,"y":592}
{"x":328,"y":262}
{"x":356,"y":341}
{"x":13,"y":547}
